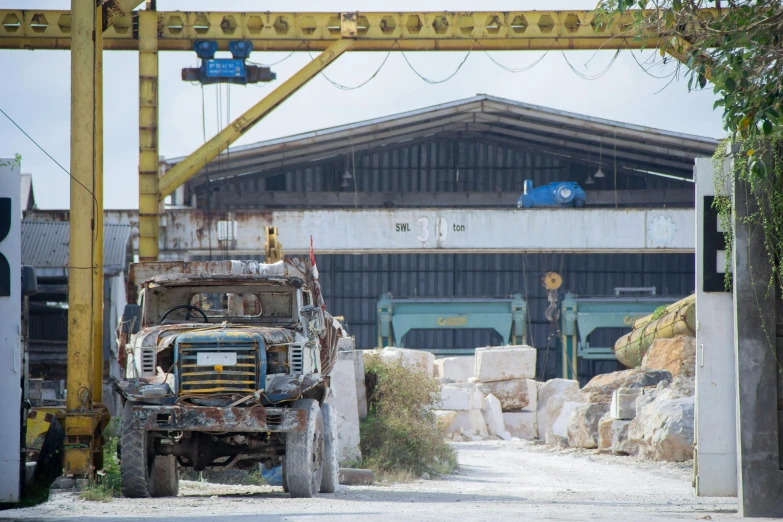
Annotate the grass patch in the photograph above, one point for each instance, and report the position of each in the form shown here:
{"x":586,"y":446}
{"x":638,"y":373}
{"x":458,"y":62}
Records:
{"x":400,"y":439}
{"x":659,"y":312}
{"x":108,"y":482}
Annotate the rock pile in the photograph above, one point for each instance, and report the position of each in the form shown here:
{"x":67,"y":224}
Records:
{"x":648,"y":411}
{"x":490,"y":394}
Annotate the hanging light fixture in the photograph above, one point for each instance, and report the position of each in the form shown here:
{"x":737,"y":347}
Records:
{"x":600,"y":173}
{"x":589,"y":180}
{"x":346,"y":177}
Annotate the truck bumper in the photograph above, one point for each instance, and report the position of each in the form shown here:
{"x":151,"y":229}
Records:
{"x":211,"y":419}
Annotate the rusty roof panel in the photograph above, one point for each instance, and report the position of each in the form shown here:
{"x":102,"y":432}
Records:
{"x":45,"y":244}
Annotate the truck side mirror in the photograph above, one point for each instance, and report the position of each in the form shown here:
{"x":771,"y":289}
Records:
{"x":131,"y":319}
{"x":309,"y":312}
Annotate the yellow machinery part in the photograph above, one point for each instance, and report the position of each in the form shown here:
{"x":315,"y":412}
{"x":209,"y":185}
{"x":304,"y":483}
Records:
{"x":38,"y":422}
{"x":631,"y":348}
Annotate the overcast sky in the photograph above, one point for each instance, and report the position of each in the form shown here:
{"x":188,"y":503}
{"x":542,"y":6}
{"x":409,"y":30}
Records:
{"x":35,"y":91}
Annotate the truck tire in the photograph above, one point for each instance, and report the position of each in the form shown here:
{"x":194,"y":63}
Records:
{"x":330,"y":478}
{"x":135,"y":462}
{"x":164,"y":477}
{"x":304,"y":453}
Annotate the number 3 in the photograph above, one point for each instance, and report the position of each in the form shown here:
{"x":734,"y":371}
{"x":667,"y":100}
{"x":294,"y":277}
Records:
{"x":425,"y":231}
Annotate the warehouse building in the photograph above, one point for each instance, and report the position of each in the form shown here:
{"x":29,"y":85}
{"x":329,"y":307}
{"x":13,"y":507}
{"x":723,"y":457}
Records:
{"x":473,"y":155}
{"x":369,"y":193}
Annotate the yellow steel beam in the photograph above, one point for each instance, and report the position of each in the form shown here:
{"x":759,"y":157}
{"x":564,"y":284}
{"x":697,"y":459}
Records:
{"x":115,"y":10}
{"x":148,"y":136}
{"x":188,"y":167}
{"x":80,"y":269}
{"x":290,"y":31}
{"x":97,"y":253}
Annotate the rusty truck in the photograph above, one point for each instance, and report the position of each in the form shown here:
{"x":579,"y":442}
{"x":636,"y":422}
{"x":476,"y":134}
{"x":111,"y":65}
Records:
{"x":226,"y":366}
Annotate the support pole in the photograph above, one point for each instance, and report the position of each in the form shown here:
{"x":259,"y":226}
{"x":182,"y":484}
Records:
{"x":187,"y":168}
{"x":758,"y":364}
{"x":148,"y":136}
{"x":78,"y":429}
{"x":97,"y":254}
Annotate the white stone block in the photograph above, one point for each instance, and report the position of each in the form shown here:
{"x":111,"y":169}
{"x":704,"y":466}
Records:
{"x":521,"y":424}
{"x":493,"y":415}
{"x":532,"y":395}
{"x":477,"y":423}
{"x":560,"y":426}
{"x":623,"y":405}
{"x":512,"y":394}
{"x":444,"y":419}
{"x":551,"y":397}
{"x":460,"y":396}
{"x":343,"y":398}
{"x":357,"y":358}
{"x":505,"y":362}
{"x":410,"y":358}
{"x":470,"y":422}
{"x":456,"y":369}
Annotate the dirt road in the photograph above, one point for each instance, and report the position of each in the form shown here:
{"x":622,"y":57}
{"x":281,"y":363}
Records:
{"x":502,"y":481}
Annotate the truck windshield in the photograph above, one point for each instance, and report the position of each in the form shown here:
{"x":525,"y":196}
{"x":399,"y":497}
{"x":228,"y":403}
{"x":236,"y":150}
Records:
{"x":269,"y":304}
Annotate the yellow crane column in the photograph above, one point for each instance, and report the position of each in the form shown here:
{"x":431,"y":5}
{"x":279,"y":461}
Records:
{"x":97,"y":254}
{"x":148,"y":136}
{"x":79,"y":427}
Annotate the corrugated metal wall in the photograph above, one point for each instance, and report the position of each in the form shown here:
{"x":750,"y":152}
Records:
{"x":352,"y":285}
{"x":437,"y":166}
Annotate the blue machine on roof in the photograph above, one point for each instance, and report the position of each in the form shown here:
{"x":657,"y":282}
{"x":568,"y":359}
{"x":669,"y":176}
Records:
{"x":556,"y":194}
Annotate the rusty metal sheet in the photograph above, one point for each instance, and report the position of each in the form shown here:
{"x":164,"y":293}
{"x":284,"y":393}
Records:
{"x":288,"y":271}
{"x":211,"y":419}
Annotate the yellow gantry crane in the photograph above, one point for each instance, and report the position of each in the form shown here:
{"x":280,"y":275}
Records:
{"x":92,"y":26}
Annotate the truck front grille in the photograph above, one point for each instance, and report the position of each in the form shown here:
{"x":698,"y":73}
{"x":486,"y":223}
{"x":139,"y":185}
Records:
{"x":241,"y":378}
{"x":296,"y":355}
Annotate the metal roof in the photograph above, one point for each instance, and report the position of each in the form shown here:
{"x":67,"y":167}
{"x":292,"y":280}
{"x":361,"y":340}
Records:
{"x":28,"y":195}
{"x":487,"y":118}
{"x":45,"y":244}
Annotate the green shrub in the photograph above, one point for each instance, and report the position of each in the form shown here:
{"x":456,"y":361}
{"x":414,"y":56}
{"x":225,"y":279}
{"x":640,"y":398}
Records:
{"x":108,"y":482}
{"x":400,"y":438}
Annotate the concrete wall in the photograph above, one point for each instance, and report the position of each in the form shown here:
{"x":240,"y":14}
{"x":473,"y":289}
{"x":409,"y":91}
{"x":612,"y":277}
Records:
{"x":716,"y":439}
{"x":10,"y":341}
{"x":417,"y":230}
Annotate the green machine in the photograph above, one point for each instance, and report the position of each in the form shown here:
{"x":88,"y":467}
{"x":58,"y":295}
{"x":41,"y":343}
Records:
{"x":580,"y":316}
{"x":398,"y":316}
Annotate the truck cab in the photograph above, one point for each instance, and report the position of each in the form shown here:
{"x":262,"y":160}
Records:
{"x":226,"y":365}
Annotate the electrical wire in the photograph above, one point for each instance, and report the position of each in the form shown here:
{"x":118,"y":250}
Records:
{"x":90,"y":192}
{"x":47,"y":154}
{"x":647,"y":71}
{"x":434,"y":82}
{"x":272,"y":64}
{"x":593,"y":76}
{"x":512,"y":70}
{"x":351,"y":88}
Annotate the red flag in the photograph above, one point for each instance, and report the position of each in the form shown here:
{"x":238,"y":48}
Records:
{"x":317,"y":286}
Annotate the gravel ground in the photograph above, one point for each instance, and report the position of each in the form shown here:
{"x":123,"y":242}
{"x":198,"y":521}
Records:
{"x":497,"y":480}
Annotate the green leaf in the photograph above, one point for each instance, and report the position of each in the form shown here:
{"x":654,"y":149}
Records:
{"x":730,"y":84}
{"x":767,"y":127}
